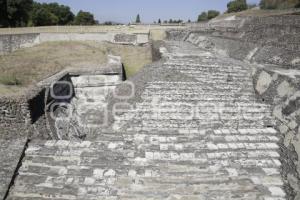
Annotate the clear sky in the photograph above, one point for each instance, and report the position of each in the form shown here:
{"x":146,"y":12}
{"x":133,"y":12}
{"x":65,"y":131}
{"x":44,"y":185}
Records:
{"x":150,"y":10}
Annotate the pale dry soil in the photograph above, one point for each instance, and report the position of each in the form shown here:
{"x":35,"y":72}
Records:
{"x":31,"y":65}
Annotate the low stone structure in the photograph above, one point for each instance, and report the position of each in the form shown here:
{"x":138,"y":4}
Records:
{"x":271,"y":40}
{"x":14,"y":110}
{"x":9,"y":43}
{"x":30,"y":116}
{"x":12,"y":42}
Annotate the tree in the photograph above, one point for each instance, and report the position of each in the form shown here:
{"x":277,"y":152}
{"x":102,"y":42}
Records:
{"x":189,"y":21}
{"x":84,"y":18}
{"x":202,"y":17}
{"x":108,"y":23}
{"x":159,"y":21}
{"x":63,"y":13}
{"x":3,"y":14}
{"x":170,"y":21}
{"x":54,"y":14}
{"x":43,"y":17}
{"x":237,"y":6}
{"x":179,"y":21}
{"x":212,"y":14}
{"x":18,"y":12}
{"x":138,"y":19}
{"x":298,"y":4}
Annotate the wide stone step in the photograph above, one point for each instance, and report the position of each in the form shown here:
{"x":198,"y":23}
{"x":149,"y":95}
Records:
{"x":95,"y":80}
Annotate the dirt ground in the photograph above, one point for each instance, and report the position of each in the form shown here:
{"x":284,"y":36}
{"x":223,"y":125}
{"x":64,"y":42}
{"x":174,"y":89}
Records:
{"x":30,"y":65}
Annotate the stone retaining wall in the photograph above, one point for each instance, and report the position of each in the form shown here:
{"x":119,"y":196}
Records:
{"x":271,"y":40}
{"x":34,"y":109}
{"x":19,"y":112}
{"x":13,"y":110}
{"x":10,"y":43}
{"x":282,"y":91}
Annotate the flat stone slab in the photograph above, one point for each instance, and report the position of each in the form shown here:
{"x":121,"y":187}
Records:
{"x":10,"y":154}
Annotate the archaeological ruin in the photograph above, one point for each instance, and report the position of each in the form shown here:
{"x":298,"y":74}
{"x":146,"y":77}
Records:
{"x":215,"y":116}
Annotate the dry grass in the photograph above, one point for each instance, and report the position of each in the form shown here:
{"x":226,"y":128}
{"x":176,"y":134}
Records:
{"x":28,"y":66}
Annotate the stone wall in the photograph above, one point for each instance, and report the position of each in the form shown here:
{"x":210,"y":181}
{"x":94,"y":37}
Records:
{"x":14,"y":115}
{"x":267,"y":40}
{"x":176,"y":34}
{"x":34,"y":110}
{"x":10,"y":43}
{"x":25,"y":114}
{"x":282,"y":90}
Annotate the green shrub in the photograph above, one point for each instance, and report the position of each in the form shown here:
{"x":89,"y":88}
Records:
{"x":202,"y":17}
{"x":10,"y":80}
{"x":237,"y":6}
{"x":84,"y":18}
{"x":212,"y":14}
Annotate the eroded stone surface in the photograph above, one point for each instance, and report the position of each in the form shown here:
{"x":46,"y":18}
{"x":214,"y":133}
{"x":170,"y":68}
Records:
{"x":198,"y":135}
{"x":263,"y":82}
{"x":223,"y":163}
{"x":10,"y":152}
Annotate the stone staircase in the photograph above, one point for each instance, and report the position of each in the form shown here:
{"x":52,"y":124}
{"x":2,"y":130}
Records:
{"x":204,"y":137}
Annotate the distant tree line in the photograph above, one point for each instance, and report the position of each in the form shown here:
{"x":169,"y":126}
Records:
{"x":159,"y":21}
{"x":20,"y":13}
{"x":170,"y":21}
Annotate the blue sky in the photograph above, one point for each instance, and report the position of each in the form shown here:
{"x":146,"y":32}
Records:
{"x":150,"y":10}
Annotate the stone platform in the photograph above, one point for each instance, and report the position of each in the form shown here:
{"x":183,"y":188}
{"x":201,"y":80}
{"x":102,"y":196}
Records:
{"x":198,"y":135}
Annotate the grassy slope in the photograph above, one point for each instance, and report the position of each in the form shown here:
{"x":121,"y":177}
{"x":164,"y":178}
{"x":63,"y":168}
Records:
{"x":260,"y":13}
{"x":30,"y":65}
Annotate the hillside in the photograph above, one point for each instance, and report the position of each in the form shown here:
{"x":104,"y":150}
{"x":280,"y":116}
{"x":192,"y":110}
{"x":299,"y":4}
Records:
{"x":256,"y":12}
